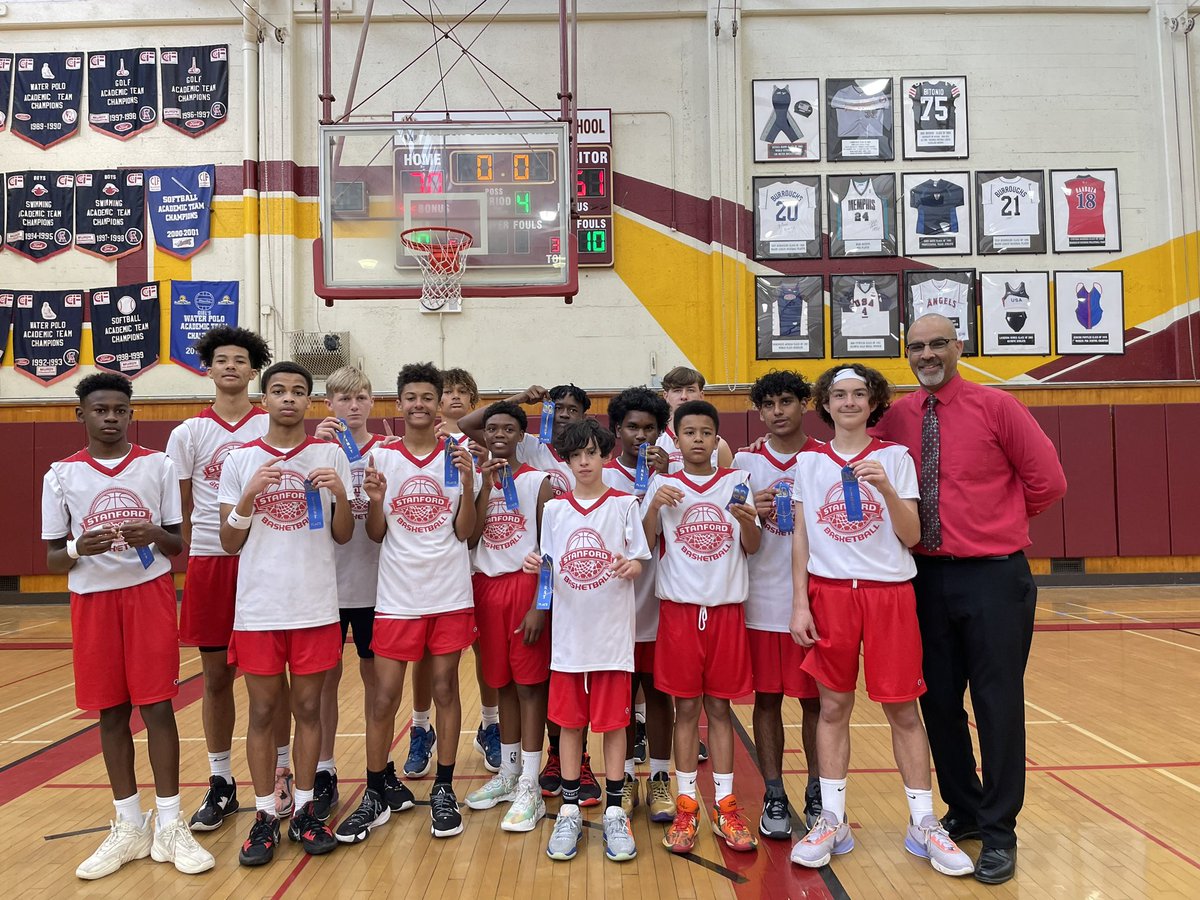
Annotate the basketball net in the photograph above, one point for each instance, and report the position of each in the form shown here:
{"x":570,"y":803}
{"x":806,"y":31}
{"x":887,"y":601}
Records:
{"x":441,"y":254}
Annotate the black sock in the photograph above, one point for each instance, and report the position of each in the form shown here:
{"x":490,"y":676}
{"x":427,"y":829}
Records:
{"x":553,"y":743}
{"x":773,"y":784}
{"x":612,"y":791}
{"x":570,"y":792}
{"x":445,"y":774}
{"x":375,"y":781}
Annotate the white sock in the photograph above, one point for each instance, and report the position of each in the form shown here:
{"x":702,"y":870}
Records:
{"x":629,"y":768}
{"x":531,"y":762}
{"x":421,"y":718}
{"x":833,"y":797}
{"x":659,"y":765}
{"x":302,"y":797}
{"x":685,"y":784}
{"x":490,"y":715}
{"x":168,"y":811}
{"x":510,"y":755}
{"x":920,"y":803}
{"x":265,"y":804}
{"x":723,"y":786}
{"x":283,"y":757}
{"x":639,"y":710}
{"x":130,"y":810}
{"x":326,"y":765}
{"x":221,"y":765}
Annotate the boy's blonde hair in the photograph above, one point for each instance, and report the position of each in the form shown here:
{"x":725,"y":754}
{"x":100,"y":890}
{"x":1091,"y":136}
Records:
{"x":681,"y":377}
{"x":347,"y":380}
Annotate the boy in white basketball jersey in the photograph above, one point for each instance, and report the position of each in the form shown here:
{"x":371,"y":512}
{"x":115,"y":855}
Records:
{"x":420,"y":491}
{"x":856,"y":517}
{"x":680,"y":385}
{"x":514,"y":644}
{"x":775,"y":659}
{"x":285,"y":506}
{"x":110,"y":519}
{"x":704,"y":525}
{"x":349,"y":398}
{"x":198,"y":447}
{"x":593,"y":539}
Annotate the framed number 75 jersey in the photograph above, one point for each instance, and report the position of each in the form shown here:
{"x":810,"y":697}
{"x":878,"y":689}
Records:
{"x":787,"y":217}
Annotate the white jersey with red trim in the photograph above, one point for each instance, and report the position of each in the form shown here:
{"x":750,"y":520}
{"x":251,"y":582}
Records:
{"x":358,"y":560}
{"x":837,"y":547}
{"x":769,"y":604}
{"x":666,"y":440}
{"x":424,"y":569}
{"x":542,"y":456}
{"x":286,"y":577}
{"x":510,"y":535}
{"x":621,"y":478}
{"x":198,"y":447}
{"x":594,"y":610}
{"x":700,"y":558}
{"x":81,"y":493}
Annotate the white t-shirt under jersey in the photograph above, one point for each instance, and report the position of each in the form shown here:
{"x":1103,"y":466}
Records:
{"x":621,"y":478}
{"x":287,"y":574}
{"x":198,"y":447}
{"x":358,"y":560}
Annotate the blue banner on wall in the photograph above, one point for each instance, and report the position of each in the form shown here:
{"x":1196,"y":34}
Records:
{"x":125,"y":327}
{"x":196,"y":307}
{"x":180,"y":207}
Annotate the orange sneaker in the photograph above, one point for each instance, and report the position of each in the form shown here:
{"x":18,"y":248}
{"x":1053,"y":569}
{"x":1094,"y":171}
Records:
{"x":681,"y":836}
{"x":730,"y":824}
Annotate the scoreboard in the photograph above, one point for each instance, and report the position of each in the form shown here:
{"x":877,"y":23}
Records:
{"x":593,"y":187}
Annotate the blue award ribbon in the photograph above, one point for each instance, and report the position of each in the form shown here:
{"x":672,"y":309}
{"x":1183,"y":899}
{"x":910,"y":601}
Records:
{"x":451,"y":474}
{"x":316,"y":515}
{"x":641,"y":476}
{"x":146,"y":555}
{"x":852,"y":495}
{"x":739,"y":495}
{"x":349,"y":445}
{"x":511,"y":501}
{"x":546,"y":432}
{"x":783,"y":510}
{"x":545,"y":592}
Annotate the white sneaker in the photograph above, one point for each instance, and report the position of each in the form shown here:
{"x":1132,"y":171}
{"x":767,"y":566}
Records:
{"x":174,"y":843}
{"x":125,"y":842}
{"x":500,"y":788}
{"x":528,"y":808}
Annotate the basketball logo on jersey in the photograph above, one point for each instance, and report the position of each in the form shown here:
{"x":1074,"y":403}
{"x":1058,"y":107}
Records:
{"x":832,"y":515}
{"x":771,"y":523}
{"x":502,"y":528}
{"x":212,"y":471}
{"x":704,"y":533}
{"x":115,"y":506}
{"x":420,"y":506}
{"x":284,"y":507}
{"x":586,"y":564}
{"x":360,"y":505}
{"x":558,"y":482}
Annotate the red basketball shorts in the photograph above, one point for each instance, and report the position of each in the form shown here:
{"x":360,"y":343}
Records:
{"x":301,"y":651}
{"x":407,"y":640}
{"x":598,"y":699}
{"x":501,"y":603}
{"x":709,"y":652}
{"x":209,"y":592}
{"x":775,"y":661}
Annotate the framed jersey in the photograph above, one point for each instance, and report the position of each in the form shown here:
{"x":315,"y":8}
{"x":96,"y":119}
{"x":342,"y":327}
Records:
{"x":1015,"y":313}
{"x":1010,"y":211}
{"x":862,"y":215}
{"x":947,"y":292}
{"x":1089,"y":312}
{"x":787,"y":119}
{"x":934,"y":113}
{"x":860,"y":119}
{"x":787,"y":217}
{"x":789,"y":313}
{"x":937,"y":213}
{"x":1085,"y":210}
{"x":864,"y":315}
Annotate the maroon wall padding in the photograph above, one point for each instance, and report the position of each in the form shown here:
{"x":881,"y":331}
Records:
{"x":1089,"y":509}
{"x":21,"y":500}
{"x":1183,"y":440}
{"x":153,"y":434}
{"x":1046,"y":529}
{"x":733,"y":429}
{"x":1143,"y":518}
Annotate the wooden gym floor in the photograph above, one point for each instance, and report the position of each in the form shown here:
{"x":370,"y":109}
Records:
{"x":1113,"y":789}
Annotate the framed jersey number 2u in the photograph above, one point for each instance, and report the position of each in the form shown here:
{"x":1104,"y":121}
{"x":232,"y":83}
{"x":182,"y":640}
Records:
{"x":787,"y":217}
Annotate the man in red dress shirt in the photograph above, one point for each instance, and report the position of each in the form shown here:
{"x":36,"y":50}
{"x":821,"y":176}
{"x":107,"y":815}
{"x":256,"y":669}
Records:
{"x":984,"y":468}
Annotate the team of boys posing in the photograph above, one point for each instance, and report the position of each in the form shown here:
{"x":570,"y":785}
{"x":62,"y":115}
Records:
{"x":765,"y":577}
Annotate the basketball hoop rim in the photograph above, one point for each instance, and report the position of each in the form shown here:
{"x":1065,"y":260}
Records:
{"x":463,"y":239}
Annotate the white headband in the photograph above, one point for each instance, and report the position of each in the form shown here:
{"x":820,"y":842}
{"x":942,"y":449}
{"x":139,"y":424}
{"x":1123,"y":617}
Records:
{"x":845,"y":373}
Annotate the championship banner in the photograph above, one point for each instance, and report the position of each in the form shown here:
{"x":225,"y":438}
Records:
{"x":6,"y":64}
{"x":47,"y":328}
{"x":197,"y":307}
{"x":125,"y":327}
{"x":40,"y":207}
{"x":7,"y":302}
{"x":123,"y":91}
{"x":195,"y":87}
{"x":110,"y":213}
{"x":180,"y":208}
{"x":46,"y":94}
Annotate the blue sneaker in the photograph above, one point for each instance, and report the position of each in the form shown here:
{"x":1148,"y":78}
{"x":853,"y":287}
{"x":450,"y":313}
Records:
{"x":487,"y":743}
{"x":420,"y":752}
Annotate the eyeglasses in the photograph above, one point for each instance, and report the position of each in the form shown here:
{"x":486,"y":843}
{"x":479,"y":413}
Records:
{"x":937,"y":345}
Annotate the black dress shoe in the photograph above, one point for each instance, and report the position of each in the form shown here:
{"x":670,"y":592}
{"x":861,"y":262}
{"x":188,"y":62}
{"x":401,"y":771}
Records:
{"x":996,"y":866}
{"x":960,"y":829}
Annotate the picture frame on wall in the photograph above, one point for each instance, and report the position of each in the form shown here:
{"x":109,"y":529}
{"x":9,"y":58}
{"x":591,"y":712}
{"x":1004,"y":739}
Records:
{"x":934,"y":115}
{"x":1089,"y":313}
{"x":787,"y":216}
{"x":1010,"y":211}
{"x":862,"y":215}
{"x":1085,"y":210}
{"x":937,"y":213}
{"x":1015,"y":313}
{"x":789,"y":316}
{"x":947,"y":292}
{"x":864,"y":316}
{"x":787,"y":119}
{"x":860,"y":119}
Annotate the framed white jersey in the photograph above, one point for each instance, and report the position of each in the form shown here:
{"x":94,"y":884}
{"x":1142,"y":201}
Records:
{"x":1085,"y":210}
{"x":863,"y":215}
{"x":790,"y":316}
{"x":1015,"y":318}
{"x":860,"y":118}
{"x":935,"y":116}
{"x":787,"y":217}
{"x":865,"y":315}
{"x":787,"y":120}
{"x":947,"y":292}
{"x":1011,"y":211}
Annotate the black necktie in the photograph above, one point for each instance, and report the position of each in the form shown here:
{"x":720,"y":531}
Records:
{"x":927,"y":507}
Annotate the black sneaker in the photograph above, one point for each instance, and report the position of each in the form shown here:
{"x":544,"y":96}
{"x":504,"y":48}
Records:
{"x":550,"y":779}
{"x":639,"y":741}
{"x":443,"y":811}
{"x":776,"y":821}
{"x":589,"y":788}
{"x":219,"y":802}
{"x":395,"y":791}
{"x":325,"y":795}
{"x":812,"y":803}
{"x":372,"y":812}
{"x":311,"y":833}
{"x":702,"y":752}
{"x":259,"y":848}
